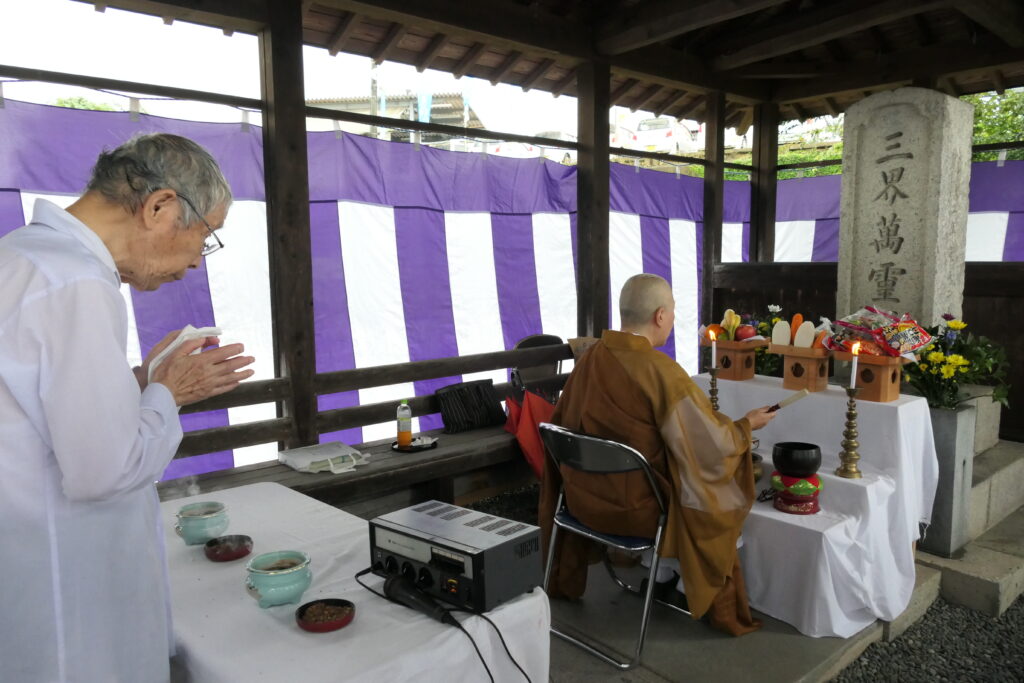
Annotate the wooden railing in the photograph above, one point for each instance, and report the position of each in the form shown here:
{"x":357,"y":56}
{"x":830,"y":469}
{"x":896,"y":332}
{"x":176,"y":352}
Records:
{"x":274,"y":390}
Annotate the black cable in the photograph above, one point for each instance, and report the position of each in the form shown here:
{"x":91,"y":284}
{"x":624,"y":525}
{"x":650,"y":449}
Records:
{"x":500,"y":637}
{"x":457,"y":624}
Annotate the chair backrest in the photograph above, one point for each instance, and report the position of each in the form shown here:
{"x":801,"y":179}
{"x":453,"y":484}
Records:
{"x":535,"y":372}
{"x":593,"y":454}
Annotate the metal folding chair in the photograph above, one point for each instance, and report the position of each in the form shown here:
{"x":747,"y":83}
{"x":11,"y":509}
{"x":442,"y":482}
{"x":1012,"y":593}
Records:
{"x":602,"y":456}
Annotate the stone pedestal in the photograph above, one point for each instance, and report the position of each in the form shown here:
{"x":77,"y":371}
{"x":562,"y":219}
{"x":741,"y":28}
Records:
{"x":954,"y":445}
{"x":903,"y":220}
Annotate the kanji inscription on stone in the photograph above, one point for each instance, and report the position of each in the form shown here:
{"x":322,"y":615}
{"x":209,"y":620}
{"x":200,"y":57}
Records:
{"x":888,"y":235}
{"x":891,"y":192}
{"x":885,"y":278}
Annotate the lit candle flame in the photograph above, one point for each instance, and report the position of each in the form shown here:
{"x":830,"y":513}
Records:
{"x":855,"y":349}
{"x":712,"y":335}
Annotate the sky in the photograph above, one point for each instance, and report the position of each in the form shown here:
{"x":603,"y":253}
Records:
{"x":72,"y":37}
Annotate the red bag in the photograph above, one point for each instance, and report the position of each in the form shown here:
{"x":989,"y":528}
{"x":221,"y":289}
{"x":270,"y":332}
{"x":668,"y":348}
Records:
{"x":523,"y":421}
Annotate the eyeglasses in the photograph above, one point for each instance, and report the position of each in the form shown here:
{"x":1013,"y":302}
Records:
{"x":209,"y":246}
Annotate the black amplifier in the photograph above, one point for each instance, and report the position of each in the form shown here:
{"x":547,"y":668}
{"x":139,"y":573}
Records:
{"x":470,"y":559}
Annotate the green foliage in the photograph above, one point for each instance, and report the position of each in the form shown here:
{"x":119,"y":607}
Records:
{"x":998,"y":118}
{"x":83,"y":103}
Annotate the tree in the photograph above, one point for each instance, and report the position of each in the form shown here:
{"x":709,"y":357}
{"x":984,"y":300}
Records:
{"x":998,"y":118}
{"x":79,"y":102}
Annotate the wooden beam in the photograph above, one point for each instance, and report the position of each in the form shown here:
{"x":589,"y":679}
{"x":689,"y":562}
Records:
{"x":922,"y":30}
{"x":616,"y":95}
{"x":832,"y":106}
{"x":342,"y":31}
{"x":676,"y":68}
{"x":666,"y":19}
{"x":505,"y":67}
{"x":746,"y":121}
{"x":592,"y":198}
{"x":1002,"y":18}
{"x":567,"y":80}
{"x":646,"y":97}
{"x":286,"y":181}
{"x":835,"y":50}
{"x":690,"y":107}
{"x":393,"y":38}
{"x":801,"y":113}
{"x":817,"y":26}
{"x":998,"y":81}
{"x":900,"y":67}
{"x":538,"y":73}
{"x":793,"y":69}
{"x":250,"y":16}
{"x":714,"y":196}
{"x":468,"y":60}
{"x":437,"y":43}
{"x":948,"y":85}
{"x":764,"y":182}
{"x":669,"y":101}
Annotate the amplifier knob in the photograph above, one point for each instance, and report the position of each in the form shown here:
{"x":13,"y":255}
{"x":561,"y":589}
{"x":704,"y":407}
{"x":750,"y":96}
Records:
{"x":391,"y":565}
{"x":408,"y":571}
{"x":424,"y":579}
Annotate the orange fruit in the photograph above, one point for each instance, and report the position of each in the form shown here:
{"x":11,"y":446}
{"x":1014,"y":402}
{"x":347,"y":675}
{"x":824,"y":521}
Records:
{"x":717,"y":329}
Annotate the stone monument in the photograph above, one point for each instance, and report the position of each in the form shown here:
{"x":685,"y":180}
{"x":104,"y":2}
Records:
{"x":903,"y":219}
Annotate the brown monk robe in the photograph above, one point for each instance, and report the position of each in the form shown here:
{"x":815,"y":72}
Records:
{"x":623,"y":389}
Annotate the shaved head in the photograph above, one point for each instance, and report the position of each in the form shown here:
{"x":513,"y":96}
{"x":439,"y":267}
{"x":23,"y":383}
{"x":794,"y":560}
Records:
{"x":641,"y":297}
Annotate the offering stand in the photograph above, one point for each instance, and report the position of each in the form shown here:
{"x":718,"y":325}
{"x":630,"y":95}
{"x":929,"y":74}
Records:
{"x":736,"y":358}
{"x":804,"y":368}
{"x":878,"y":377}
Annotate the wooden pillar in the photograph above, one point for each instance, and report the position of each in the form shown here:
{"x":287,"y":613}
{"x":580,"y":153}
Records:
{"x":286,"y":179}
{"x":714,"y":186}
{"x":592,"y":274}
{"x":764,"y":182}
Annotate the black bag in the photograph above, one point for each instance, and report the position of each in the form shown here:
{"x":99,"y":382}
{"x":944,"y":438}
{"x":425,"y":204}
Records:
{"x":469,"y":405}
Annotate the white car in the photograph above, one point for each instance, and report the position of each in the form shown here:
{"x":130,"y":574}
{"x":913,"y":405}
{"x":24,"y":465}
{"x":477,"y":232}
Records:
{"x":665,"y":134}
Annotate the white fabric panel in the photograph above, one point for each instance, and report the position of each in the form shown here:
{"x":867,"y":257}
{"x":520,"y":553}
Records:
{"x":683,"y":245}
{"x":556,"y":276}
{"x":474,"y":288}
{"x":134,"y":352}
{"x":986,"y":235}
{"x":625,"y":256}
{"x":369,"y":253}
{"x":794,"y":240}
{"x":732,"y":242}
{"x":239,"y":277}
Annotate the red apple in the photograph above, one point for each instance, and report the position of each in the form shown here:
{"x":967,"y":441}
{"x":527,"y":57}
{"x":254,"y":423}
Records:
{"x":744,"y":332}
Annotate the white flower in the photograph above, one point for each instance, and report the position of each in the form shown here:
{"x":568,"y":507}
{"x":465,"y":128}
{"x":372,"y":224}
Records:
{"x":772,"y":308}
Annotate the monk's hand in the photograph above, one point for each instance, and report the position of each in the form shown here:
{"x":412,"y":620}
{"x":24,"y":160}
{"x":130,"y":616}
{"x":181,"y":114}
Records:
{"x":759,"y":417}
{"x":210,"y":373}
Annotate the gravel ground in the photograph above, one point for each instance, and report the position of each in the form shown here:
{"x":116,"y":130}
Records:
{"x":950,"y":643}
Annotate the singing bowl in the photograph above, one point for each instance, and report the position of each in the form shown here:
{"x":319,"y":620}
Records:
{"x":796,"y":459}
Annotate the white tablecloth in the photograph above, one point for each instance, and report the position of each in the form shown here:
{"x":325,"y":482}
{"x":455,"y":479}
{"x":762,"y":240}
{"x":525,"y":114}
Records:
{"x":223,"y":635}
{"x":835,"y":572}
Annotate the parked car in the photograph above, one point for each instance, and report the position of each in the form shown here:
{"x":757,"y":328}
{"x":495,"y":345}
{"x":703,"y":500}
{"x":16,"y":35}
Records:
{"x":665,"y":134}
{"x":559,"y":154}
{"x":620,"y":136}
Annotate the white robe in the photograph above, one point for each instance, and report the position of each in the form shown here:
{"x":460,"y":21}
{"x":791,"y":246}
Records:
{"x":83,"y":582}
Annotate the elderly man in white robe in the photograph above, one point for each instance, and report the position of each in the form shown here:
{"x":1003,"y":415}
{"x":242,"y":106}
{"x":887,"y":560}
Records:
{"x":83,"y":436}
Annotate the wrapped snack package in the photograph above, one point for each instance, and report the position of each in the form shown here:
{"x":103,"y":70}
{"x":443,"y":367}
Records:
{"x":880,"y":333}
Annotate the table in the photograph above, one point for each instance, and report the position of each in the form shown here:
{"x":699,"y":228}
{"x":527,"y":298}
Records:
{"x":835,"y":572}
{"x":222,"y":635}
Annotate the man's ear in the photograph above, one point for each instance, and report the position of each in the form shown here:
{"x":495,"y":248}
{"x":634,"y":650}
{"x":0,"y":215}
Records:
{"x":160,"y":210}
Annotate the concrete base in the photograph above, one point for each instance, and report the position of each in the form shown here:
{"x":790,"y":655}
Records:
{"x":997,"y":488}
{"x":926,"y":591}
{"x":990,"y":575}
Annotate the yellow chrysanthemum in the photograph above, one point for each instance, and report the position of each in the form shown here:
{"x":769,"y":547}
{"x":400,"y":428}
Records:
{"x":929,"y":347}
{"x":936,"y":357}
{"x":923,"y":366}
{"x":963,"y":369}
{"x":956,"y":325}
{"x":775,"y":320}
{"x":934,"y":370}
{"x":948,"y":370}
{"x":957,"y":359}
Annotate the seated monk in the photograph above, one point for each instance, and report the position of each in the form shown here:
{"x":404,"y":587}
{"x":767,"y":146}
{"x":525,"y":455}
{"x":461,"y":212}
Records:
{"x":624,"y":390}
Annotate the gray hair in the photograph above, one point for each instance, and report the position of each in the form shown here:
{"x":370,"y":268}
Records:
{"x":641,"y":296}
{"x":154,"y":161}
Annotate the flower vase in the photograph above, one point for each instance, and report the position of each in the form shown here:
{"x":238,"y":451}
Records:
{"x":954,"y":445}
{"x":986,"y":430}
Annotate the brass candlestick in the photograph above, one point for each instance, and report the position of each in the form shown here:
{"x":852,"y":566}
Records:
{"x":849,"y":456}
{"x":713,"y":391}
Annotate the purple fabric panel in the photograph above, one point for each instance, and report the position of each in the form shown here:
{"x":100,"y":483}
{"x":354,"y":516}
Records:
{"x":426,"y":296}
{"x":396,"y":174}
{"x":1013,"y":247}
{"x":654,"y":241}
{"x":735,"y":201}
{"x":805,"y":199}
{"x":700,"y":282}
{"x":516,"y":275}
{"x":995,"y":188}
{"x":745,"y":255}
{"x":653,"y":193}
{"x":198,"y":464}
{"x":331,"y":327}
{"x":57,"y":147}
{"x":171,"y":307}
{"x":826,"y":240}
{"x":11,"y":214}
